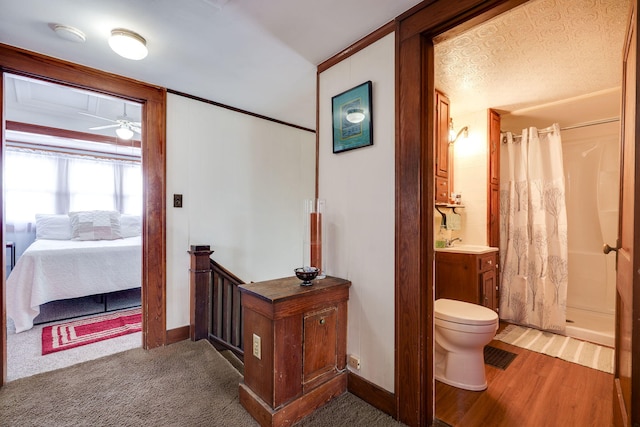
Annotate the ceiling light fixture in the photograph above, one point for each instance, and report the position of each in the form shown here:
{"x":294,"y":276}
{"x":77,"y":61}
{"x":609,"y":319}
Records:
{"x":355,"y":115}
{"x":128,"y":44}
{"x":124,"y":132}
{"x":68,"y":33}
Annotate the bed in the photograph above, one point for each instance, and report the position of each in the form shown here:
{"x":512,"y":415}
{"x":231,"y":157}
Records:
{"x":83,"y":265}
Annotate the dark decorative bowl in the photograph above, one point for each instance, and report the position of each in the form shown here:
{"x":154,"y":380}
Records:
{"x":306,"y":274}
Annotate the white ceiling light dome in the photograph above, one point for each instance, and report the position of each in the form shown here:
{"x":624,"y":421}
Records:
{"x":128,"y":44}
{"x":69,"y":33}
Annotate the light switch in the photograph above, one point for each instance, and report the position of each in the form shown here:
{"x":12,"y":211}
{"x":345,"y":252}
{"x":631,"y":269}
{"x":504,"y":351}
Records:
{"x":177,"y":200}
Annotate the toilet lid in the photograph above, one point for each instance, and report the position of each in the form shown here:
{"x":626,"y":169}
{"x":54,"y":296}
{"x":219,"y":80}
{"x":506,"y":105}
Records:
{"x":463,"y":312}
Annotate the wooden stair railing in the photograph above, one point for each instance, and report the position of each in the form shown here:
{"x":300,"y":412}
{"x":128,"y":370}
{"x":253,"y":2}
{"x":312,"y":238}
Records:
{"x":216,"y":312}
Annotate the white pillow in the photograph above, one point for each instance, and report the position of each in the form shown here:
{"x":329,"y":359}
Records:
{"x":130,"y":225}
{"x":95,"y":225}
{"x":53,"y":227}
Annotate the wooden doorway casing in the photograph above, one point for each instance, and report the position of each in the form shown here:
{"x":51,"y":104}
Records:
{"x":626,"y":389}
{"x":415,"y":91}
{"x":153,"y":100}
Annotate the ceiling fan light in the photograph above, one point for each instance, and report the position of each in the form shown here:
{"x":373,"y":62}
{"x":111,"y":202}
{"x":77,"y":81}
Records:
{"x":355,"y":115}
{"x":124,"y":132}
{"x":128,"y":44}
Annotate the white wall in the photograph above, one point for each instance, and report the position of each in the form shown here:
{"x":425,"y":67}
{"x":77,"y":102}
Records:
{"x":243,"y":181}
{"x":470,"y":172}
{"x":359,"y":189}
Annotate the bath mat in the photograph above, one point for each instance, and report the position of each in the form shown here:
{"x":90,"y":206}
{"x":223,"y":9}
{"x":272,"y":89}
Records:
{"x":566,"y":348}
{"x":498,"y":357}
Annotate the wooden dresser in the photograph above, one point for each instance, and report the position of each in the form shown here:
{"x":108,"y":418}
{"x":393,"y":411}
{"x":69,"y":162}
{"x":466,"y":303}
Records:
{"x":295,"y":341}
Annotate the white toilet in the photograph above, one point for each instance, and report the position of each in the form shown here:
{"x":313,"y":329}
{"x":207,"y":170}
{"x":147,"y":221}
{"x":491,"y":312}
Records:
{"x":462,"y":330}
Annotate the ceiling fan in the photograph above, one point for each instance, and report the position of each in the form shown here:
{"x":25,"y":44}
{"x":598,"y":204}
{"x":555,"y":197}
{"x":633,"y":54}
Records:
{"x":124,"y":127}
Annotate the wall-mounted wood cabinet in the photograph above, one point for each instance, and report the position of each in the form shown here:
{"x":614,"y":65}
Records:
{"x":443,"y":156}
{"x":493,"y":184}
{"x":468,"y":277}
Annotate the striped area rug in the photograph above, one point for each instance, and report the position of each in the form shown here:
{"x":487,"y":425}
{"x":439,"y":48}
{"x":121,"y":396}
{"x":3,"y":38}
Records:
{"x":89,"y":330}
{"x":570,"y":349}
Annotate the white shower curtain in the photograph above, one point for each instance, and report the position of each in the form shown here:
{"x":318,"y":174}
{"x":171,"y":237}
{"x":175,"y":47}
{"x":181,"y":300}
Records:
{"x":533,"y":230}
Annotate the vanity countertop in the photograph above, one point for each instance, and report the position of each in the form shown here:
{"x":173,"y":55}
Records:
{"x":468,"y":249}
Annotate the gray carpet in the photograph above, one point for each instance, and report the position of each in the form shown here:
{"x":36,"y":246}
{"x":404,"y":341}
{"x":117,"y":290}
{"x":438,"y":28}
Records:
{"x":184,"y":384}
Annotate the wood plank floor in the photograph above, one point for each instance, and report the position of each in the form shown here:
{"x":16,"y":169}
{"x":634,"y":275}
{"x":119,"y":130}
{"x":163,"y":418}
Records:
{"x":534,"y":390}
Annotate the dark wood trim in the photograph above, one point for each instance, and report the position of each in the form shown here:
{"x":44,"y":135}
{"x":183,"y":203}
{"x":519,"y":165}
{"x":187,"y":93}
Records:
{"x":374,"y":395}
{"x":200,"y":285}
{"x":364,"y":42}
{"x":433,"y":18}
{"x":317,"y":186}
{"x":69,"y":134}
{"x":414,"y":232}
{"x":3,"y":295}
{"x":238,"y":110}
{"x":23,"y":62}
{"x":415,"y":194}
{"x":177,"y":334}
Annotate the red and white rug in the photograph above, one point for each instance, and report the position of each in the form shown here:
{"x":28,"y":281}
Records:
{"x":86,"y":331}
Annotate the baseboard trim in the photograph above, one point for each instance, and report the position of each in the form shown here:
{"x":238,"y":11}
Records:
{"x":374,"y":395}
{"x":177,"y":334}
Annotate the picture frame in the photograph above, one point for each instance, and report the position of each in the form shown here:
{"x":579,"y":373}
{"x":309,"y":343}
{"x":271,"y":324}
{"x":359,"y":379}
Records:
{"x":352,"y":115}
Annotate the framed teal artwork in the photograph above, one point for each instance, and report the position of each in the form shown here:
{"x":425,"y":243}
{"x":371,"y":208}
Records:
{"x":352,"y":113}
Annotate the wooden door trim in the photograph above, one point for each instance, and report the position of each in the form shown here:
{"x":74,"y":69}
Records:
{"x":19,"y":61}
{"x":414,"y":252}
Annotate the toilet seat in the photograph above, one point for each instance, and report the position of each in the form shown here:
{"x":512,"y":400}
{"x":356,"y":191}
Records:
{"x":461,"y":327}
{"x":463,"y":313}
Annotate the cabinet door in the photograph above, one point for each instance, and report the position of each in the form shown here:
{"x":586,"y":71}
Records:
{"x":493,"y":185}
{"x":488,"y":284}
{"x":319,"y":358}
{"x":494,"y":148}
{"x":442,"y":135}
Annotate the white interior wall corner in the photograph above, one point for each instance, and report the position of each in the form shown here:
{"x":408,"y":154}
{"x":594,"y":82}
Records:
{"x":244,"y":180}
{"x":359,"y":189}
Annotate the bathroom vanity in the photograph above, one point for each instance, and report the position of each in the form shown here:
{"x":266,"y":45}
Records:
{"x":468,"y":273}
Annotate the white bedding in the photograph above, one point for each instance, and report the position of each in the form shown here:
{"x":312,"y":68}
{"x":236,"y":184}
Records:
{"x":51,"y":270}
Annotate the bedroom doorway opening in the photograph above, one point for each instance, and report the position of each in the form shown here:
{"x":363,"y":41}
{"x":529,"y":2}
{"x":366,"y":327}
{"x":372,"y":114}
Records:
{"x":73,"y":201}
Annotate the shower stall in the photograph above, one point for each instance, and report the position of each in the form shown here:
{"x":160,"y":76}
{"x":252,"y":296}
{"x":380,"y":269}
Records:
{"x":592,"y":179}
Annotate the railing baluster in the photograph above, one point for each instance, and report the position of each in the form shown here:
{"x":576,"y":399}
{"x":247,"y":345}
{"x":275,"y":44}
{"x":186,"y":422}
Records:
{"x":225,"y":310}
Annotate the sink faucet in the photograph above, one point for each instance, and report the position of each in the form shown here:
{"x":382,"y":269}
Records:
{"x":449,"y":242}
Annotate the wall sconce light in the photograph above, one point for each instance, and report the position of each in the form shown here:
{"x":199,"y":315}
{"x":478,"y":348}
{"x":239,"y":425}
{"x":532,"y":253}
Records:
{"x":355,"y":115}
{"x":453,"y":136}
{"x":128,"y":44}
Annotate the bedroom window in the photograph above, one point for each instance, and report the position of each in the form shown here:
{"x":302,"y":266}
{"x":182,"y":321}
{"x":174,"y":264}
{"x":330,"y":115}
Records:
{"x":57,"y":183}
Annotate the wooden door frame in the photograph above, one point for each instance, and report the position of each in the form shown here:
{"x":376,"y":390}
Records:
{"x":626,"y":378}
{"x":415,"y":91}
{"x":153,"y":100}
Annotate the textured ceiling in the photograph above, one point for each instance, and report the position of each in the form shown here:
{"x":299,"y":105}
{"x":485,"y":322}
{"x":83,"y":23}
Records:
{"x":539,"y":52}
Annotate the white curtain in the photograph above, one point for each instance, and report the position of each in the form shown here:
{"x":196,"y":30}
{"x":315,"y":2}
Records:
{"x":57,"y":183}
{"x":533,"y":230}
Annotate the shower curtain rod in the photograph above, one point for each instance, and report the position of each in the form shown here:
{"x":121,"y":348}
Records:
{"x":579,"y":125}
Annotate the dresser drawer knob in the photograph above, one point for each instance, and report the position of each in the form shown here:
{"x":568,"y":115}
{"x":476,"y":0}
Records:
{"x":322,"y":321}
